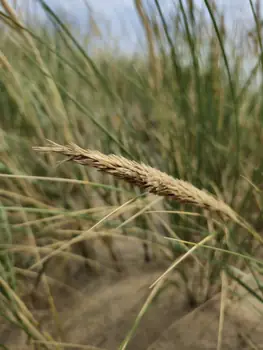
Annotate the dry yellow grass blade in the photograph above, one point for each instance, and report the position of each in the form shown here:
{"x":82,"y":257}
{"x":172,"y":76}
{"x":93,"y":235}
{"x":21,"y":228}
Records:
{"x":143,"y":176}
{"x":222,"y":310}
{"x":24,"y":315}
{"x":143,"y":310}
{"x":83,"y":236}
{"x":182,"y":258}
{"x":24,"y":199}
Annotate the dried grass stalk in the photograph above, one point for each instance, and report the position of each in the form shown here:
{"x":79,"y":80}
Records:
{"x":143,"y":176}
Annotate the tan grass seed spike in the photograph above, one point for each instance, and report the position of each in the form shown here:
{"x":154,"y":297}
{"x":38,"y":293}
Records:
{"x":143,"y":176}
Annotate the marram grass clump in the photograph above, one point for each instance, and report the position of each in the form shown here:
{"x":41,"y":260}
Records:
{"x":143,"y":176}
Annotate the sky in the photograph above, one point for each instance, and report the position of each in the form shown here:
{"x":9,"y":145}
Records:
{"x":124,"y":22}
{"x":108,"y":7}
{"x":125,"y":8}
{"x":111,"y":8}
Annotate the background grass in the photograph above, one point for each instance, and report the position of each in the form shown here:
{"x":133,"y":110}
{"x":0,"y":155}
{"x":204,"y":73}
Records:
{"x":189,"y":104}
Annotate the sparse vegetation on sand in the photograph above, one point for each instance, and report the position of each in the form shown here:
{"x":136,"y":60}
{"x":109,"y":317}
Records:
{"x":88,"y":261}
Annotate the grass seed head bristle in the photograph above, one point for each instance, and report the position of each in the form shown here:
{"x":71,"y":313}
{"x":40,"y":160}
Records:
{"x":143,"y":176}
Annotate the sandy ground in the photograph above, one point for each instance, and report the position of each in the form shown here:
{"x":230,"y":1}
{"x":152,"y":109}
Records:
{"x":100,"y":311}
